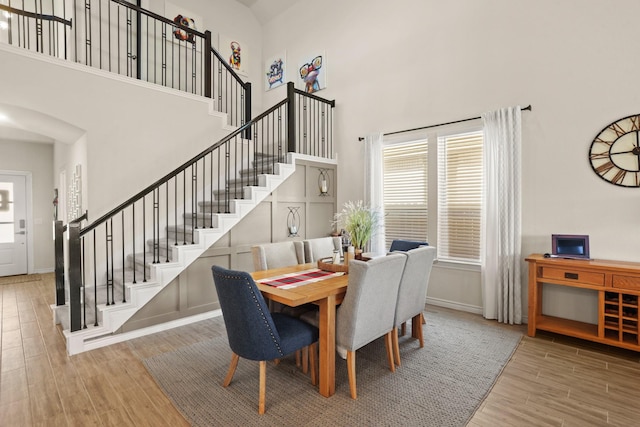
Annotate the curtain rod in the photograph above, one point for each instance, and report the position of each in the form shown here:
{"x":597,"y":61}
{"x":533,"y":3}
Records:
{"x":527,"y":108}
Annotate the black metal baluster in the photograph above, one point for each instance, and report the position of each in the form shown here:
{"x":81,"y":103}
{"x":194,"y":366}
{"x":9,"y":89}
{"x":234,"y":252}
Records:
{"x":184,"y":206}
{"x":211,"y":191}
{"x":83,"y":282}
{"x":124,"y":270}
{"x":194,"y":201}
{"x":155,"y":226}
{"x":133,"y":239}
{"x":164,"y":54}
{"x":166,"y":187}
{"x":175,"y":207}
{"x":144,"y":239}
{"x":110,"y":266}
{"x":95,"y":281}
{"x":219,"y":179}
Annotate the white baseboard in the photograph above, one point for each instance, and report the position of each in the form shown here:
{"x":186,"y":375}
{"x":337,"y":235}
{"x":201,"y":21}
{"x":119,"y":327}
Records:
{"x":125,"y":336}
{"x":454,"y":305}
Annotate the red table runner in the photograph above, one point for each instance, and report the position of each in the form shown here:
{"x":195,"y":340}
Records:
{"x":299,"y":278}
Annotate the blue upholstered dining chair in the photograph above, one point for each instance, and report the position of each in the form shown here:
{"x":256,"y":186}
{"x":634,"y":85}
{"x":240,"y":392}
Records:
{"x":253,"y":332}
{"x":412,"y":293}
{"x":368,"y":309}
{"x":405,"y":245}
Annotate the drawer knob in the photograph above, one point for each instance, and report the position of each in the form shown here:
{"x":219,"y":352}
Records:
{"x":573,"y":276}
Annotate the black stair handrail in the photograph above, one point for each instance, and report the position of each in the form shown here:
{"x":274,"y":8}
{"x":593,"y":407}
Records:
{"x":243,"y":130}
{"x":35,"y":15}
{"x":180,"y":169}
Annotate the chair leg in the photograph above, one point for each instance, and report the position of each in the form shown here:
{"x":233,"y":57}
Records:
{"x":314,"y":365}
{"x":388,"y":341}
{"x":305,"y":360}
{"x":351,"y":369}
{"x":416,"y":328}
{"x":396,"y":346}
{"x":232,"y":369}
{"x":298,"y":362}
{"x":263,"y":386}
{"x":403,"y":329}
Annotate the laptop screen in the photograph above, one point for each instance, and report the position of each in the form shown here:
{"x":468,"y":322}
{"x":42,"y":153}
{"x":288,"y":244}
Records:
{"x":570,"y":245}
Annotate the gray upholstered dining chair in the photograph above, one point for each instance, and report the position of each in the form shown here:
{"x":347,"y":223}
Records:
{"x":368,"y":309}
{"x":412,"y":293}
{"x":275,"y":255}
{"x":321,"y":247}
{"x":253,"y":332}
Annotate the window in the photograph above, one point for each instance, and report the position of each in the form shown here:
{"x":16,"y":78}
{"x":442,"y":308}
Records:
{"x":460,"y":197}
{"x":405,"y":191}
{"x":456,"y":173}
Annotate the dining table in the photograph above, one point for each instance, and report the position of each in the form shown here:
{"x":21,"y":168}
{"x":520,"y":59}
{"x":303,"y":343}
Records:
{"x":325,"y":292}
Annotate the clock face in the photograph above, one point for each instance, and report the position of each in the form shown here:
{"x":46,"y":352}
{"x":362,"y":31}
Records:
{"x":615,"y":152}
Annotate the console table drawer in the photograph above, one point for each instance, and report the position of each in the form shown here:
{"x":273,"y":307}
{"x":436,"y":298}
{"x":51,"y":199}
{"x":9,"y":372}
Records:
{"x":626,"y":282}
{"x":583,"y":277}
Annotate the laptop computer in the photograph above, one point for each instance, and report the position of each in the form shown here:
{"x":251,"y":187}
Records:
{"x":572,"y":246}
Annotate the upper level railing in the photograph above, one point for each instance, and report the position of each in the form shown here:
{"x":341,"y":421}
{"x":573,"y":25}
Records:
{"x":121,"y":37}
{"x":141,"y":230}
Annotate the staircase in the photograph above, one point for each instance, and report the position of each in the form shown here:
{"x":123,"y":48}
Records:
{"x":108,"y":269}
{"x":113,"y":314}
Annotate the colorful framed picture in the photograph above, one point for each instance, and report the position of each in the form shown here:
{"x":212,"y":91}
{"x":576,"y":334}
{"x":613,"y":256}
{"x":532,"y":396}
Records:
{"x":183,"y":17}
{"x":236,"y":53}
{"x":312,"y":73}
{"x":275,"y":68}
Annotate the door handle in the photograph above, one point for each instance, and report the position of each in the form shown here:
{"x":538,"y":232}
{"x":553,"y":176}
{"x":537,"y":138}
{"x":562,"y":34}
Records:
{"x":21,"y":232}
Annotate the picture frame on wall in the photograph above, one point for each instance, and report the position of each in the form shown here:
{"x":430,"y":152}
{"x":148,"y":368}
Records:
{"x":184,"y":17}
{"x":236,"y":53}
{"x":275,"y":71}
{"x":312,"y":72}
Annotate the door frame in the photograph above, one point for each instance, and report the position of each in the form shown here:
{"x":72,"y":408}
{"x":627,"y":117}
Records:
{"x":29,"y":201}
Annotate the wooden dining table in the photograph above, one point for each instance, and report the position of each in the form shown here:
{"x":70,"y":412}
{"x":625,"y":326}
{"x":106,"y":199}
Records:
{"x":326,"y":294}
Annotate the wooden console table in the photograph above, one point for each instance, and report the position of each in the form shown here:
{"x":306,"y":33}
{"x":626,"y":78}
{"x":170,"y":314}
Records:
{"x":617,"y":284}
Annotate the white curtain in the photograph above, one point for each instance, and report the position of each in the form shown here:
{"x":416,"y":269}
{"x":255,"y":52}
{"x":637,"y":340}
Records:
{"x":501,"y":260}
{"x":373,"y":186}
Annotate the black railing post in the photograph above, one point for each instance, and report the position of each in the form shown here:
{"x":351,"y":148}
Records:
{"x":291,"y":118}
{"x":208,"y":64}
{"x":59,"y":261}
{"x":247,"y":109}
{"x":75,"y":276}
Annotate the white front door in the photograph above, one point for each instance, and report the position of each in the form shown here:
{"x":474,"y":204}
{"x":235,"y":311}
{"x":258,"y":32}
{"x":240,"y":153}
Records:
{"x":13,"y":225}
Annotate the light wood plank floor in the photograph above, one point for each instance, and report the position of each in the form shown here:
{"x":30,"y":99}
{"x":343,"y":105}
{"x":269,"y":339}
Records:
{"x":551,"y":380}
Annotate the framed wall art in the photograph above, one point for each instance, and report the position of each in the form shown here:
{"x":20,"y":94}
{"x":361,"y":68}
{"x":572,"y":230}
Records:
{"x":275,"y":68}
{"x":236,"y":53}
{"x":181,"y":16}
{"x":312,"y":73}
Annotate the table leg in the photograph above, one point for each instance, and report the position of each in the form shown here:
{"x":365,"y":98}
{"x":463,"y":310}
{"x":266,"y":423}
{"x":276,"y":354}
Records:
{"x":327,"y":347}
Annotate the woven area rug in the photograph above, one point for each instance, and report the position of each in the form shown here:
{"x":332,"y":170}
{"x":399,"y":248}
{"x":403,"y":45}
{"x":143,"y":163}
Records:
{"x":441,"y":384}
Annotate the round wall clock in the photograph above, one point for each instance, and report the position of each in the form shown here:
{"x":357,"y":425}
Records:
{"x":615,"y":152}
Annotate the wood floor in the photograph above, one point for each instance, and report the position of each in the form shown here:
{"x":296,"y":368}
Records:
{"x":550,"y":380}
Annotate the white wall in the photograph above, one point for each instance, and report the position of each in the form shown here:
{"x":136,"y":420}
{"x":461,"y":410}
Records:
{"x":400,"y":65}
{"x":135,"y":132}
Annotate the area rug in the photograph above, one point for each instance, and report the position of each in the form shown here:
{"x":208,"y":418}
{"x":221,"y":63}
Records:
{"x":441,"y":384}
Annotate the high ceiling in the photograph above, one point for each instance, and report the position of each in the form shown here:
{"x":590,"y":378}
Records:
{"x":265,"y":10}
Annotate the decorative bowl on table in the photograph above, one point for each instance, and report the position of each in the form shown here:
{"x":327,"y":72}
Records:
{"x":327,"y":264}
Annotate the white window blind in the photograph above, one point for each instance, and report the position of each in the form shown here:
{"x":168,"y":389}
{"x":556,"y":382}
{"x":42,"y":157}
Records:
{"x":405,"y":191}
{"x":460,"y":197}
